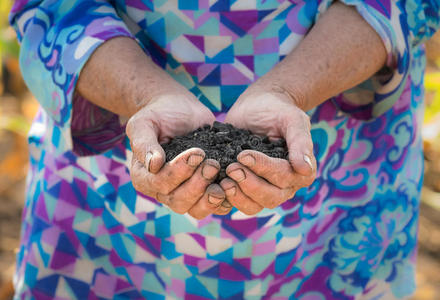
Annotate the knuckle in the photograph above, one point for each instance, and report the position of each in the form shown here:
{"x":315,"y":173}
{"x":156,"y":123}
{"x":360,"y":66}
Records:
{"x":280,"y":179}
{"x":167,"y":189}
{"x":284,"y":184}
{"x":268,"y":168}
{"x":156,"y":181}
{"x":258,"y":194}
{"x":161,"y":185}
{"x":181,"y":205}
{"x":148,"y":183}
{"x":187,"y":197}
{"x":136,"y":145}
{"x":177,"y":174}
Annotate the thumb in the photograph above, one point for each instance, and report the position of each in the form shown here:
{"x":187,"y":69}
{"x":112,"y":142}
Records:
{"x":300,"y":146}
{"x":144,"y":144}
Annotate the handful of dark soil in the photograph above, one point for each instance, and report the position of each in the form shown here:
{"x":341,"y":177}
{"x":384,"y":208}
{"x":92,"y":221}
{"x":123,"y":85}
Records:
{"x":223,"y":142}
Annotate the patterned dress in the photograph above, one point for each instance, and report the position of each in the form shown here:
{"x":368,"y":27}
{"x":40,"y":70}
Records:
{"x":87,"y":234}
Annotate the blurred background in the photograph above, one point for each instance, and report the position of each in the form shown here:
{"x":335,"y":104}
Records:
{"x":18,"y":107}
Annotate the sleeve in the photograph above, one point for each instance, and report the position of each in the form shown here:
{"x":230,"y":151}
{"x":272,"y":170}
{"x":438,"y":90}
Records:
{"x":57,"y":37}
{"x":403,"y":27}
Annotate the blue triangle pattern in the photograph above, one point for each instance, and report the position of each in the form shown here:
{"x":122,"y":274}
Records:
{"x":48,"y":285}
{"x":195,"y":287}
{"x":220,"y":5}
{"x":79,"y":288}
{"x":94,"y":250}
{"x":65,"y":245}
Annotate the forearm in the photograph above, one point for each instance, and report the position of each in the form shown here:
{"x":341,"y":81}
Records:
{"x":121,"y":78}
{"x":341,"y":51}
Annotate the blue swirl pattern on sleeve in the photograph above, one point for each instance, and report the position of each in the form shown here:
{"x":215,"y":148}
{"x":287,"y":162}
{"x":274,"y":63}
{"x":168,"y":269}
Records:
{"x":402,"y":25}
{"x":57,"y":38}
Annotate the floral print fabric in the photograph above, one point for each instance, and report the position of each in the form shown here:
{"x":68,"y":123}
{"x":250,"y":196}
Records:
{"x":87,"y":234}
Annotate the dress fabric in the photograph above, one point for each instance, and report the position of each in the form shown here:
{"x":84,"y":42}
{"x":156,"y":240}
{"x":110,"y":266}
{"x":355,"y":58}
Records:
{"x":87,"y":234}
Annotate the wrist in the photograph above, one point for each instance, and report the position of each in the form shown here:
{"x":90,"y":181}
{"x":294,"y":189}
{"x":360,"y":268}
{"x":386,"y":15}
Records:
{"x":288,"y":91}
{"x":146,"y":94}
{"x":121,"y":78}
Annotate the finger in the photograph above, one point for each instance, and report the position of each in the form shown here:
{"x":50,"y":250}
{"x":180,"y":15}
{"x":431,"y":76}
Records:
{"x":300,"y":145}
{"x":187,"y":194}
{"x":143,"y":137}
{"x":175,"y":172}
{"x":210,"y":201}
{"x":238,"y":199}
{"x":138,"y":174}
{"x":277,"y":171}
{"x":224,"y":209}
{"x":258,"y":189}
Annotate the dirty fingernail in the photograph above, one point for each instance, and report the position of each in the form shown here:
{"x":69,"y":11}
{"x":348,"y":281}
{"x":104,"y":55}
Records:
{"x":194,"y":160}
{"x":226,"y":203}
{"x":308,"y":161}
{"x":230,"y":192}
{"x":248,"y":160}
{"x":238,"y":175}
{"x":214,"y":200}
{"x":148,"y":160}
{"x":209,"y":171}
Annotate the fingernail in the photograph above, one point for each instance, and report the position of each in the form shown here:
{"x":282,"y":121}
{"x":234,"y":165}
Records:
{"x":194,"y":160}
{"x":308,"y":161}
{"x":248,"y":160}
{"x":214,"y":200}
{"x":209,"y":171}
{"x":226,"y":203}
{"x":148,"y":160}
{"x":238,"y":175}
{"x":230,"y":192}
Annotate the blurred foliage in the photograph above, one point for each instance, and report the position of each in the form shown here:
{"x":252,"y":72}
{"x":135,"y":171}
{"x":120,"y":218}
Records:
{"x":8,"y":43}
{"x":16,"y":123}
{"x":432,"y":85}
{"x":11,"y":81}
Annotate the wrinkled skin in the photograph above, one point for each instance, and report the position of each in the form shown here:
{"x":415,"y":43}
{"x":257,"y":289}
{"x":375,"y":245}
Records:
{"x":258,"y":181}
{"x":185,"y":183}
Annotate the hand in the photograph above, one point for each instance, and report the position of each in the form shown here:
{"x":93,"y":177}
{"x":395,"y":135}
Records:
{"x":183,"y":184}
{"x":257,"y":180}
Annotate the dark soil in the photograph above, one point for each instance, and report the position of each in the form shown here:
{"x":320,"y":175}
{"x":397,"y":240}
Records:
{"x":223,"y":142}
